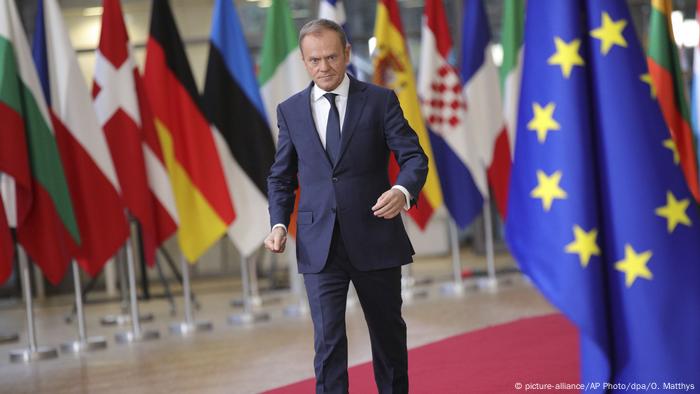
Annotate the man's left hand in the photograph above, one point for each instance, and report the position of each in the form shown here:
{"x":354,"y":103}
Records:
{"x":389,"y":204}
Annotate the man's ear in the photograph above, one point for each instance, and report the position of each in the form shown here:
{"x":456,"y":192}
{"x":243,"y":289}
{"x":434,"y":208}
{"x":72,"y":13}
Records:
{"x":347,"y":53}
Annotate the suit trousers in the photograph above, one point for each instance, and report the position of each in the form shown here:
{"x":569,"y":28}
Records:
{"x":379,"y":293}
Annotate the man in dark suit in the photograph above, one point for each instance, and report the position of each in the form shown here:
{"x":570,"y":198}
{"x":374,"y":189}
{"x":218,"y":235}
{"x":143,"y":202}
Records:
{"x":335,"y":138}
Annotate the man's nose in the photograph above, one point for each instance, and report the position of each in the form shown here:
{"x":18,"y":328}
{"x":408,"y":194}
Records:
{"x":325,"y":64}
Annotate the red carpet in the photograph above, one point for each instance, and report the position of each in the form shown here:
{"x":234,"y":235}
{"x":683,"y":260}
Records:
{"x":491,"y":360}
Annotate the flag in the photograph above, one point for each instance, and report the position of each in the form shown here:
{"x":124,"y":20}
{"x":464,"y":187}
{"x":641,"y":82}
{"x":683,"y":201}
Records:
{"x":667,"y":80}
{"x":92,"y":180}
{"x":243,"y":139}
{"x":511,"y":68}
{"x":116,"y":103}
{"x":695,"y":91}
{"x":484,"y":116}
{"x":334,"y":10}
{"x":599,"y":216}
{"x":393,"y":69}
{"x":282,"y":71}
{"x":203,"y":203}
{"x":43,"y":212}
{"x":445,"y":111}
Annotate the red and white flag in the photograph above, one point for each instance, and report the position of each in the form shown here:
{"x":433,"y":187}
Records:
{"x":145,"y":185}
{"x":92,"y":180}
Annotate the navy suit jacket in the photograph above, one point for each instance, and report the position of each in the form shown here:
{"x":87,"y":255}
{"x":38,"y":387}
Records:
{"x":374,"y":126}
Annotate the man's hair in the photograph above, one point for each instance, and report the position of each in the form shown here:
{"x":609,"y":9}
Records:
{"x":317,"y":25}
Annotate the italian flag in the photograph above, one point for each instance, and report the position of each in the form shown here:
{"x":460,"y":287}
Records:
{"x":45,"y":220}
{"x":511,"y":68}
{"x":282,"y":71}
{"x":667,"y":82}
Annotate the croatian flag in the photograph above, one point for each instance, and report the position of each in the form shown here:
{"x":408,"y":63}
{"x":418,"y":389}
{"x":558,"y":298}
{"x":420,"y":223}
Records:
{"x":447,"y":115}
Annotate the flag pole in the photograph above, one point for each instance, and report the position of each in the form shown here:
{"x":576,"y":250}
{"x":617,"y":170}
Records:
{"x":33,"y":352}
{"x":249,"y":315}
{"x":408,"y":283}
{"x":83,"y":343}
{"x":255,"y":300}
{"x":135,"y":334}
{"x":299,"y":306}
{"x":456,"y":286}
{"x":190,"y":325}
{"x":490,"y":282}
{"x":123,"y":317}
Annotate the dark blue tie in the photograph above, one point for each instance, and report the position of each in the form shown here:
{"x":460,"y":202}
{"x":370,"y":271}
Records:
{"x":332,"y":129}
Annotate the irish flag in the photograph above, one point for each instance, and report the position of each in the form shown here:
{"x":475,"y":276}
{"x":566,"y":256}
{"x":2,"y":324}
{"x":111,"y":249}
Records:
{"x":202,"y":199}
{"x":393,"y":69}
{"x":667,"y":84}
{"x":46,"y":225}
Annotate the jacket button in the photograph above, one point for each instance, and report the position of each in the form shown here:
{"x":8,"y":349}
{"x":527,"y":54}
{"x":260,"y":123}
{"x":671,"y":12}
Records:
{"x":335,"y":179}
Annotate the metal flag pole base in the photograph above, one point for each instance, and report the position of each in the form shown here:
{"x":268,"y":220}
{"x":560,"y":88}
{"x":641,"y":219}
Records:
{"x":299,"y":308}
{"x":136,"y":334}
{"x":29,"y":355}
{"x":83,"y":343}
{"x":185,"y":328}
{"x":457,"y":286}
{"x":32,"y":352}
{"x":8,"y":338}
{"x":78,"y":346}
{"x":248,"y":316}
{"x":189,"y":326}
{"x":124,"y":319}
{"x":238,"y":319}
{"x":408,"y":290}
{"x":127,"y":337}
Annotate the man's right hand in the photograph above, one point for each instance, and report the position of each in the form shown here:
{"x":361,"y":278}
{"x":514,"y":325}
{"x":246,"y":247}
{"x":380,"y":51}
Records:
{"x":276,"y":240}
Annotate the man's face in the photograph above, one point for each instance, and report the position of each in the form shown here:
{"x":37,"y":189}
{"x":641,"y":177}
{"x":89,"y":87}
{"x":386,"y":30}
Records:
{"x":325,"y":58}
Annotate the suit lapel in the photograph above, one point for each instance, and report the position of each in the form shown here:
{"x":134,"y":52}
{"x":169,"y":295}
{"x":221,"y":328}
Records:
{"x":353,"y":112}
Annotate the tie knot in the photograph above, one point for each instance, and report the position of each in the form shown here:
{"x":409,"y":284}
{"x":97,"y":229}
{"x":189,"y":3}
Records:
{"x":330,"y":97}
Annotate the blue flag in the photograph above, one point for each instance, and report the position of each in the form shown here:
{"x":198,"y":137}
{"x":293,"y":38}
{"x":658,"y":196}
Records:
{"x":600,"y":217}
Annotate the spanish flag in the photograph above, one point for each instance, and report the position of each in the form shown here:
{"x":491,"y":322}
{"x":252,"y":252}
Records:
{"x":202,"y":199}
{"x":393,"y":69}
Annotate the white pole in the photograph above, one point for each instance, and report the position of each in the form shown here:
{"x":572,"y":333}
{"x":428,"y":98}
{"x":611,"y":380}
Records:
{"x":189,"y":326}
{"x":491,"y":281}
{"x":456,"y":287}
{"x":83,"y":343}
{"x":33,"y":352}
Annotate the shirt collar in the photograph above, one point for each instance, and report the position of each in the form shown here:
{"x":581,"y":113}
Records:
{"x":342,"y":90}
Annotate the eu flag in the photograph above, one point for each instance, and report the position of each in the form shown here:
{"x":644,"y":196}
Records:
{"x":600,"y":217}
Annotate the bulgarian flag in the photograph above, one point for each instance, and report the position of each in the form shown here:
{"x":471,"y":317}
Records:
{"x":92,"y":180}
{"x":393,"y":69}
{"x":202,"y":199}
{"x":282,"y":71}
{"x":44,"y":217}
{"x":667,"y":83}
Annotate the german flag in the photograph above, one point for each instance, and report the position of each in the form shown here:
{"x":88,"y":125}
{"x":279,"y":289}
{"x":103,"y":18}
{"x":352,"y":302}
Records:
{"x":393,"y":69}
{"x":667,"y":81}
{"x":202,"y":199}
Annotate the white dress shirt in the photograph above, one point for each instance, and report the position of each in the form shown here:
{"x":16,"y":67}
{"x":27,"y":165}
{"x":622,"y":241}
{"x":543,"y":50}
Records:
{"x":320,"y":107}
